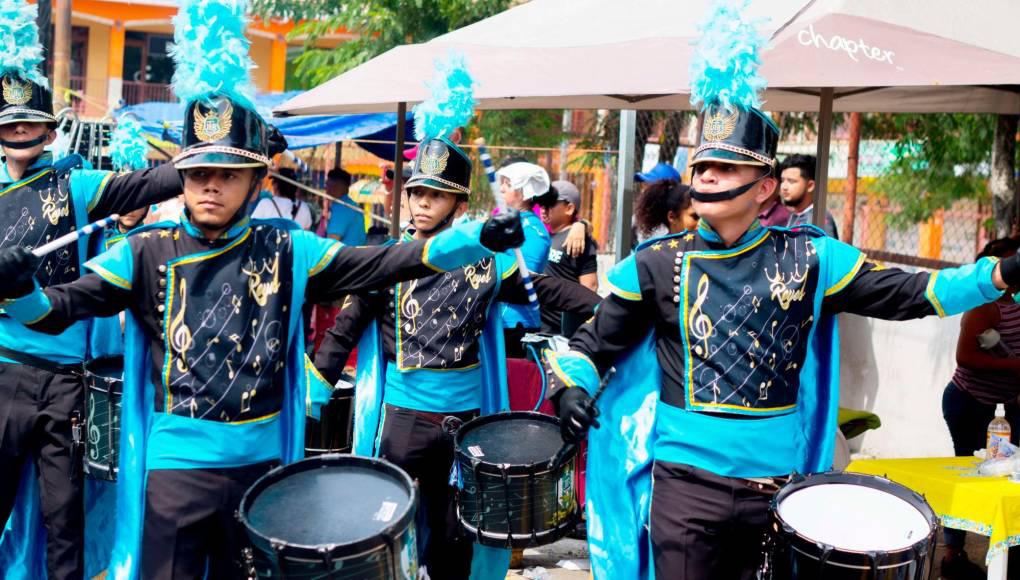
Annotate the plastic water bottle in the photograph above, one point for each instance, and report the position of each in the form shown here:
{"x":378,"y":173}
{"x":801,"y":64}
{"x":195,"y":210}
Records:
{"x":998,"y":432}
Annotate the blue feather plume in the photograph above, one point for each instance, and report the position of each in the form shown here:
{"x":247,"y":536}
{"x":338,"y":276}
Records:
{"x":724,"y":69}
{"x":210,"y":51}
{"x":20,"y":51}
{"x":128,"y":145}
{"x":452,"y":103}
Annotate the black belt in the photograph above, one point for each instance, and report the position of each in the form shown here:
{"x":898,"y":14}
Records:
{"x":766,"y":485}
{"x":41,"y":363}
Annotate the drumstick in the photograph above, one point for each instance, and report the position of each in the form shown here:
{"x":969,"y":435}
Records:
{"x":73,"y":236}
{"x":568,"y":448}
{"x":490,"y":173}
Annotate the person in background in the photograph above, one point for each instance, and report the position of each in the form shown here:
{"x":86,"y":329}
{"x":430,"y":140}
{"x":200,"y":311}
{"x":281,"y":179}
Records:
{"x":987,"y":373}
{"x":665,"y":208}
{"x":344,"y":223}
{"x":521,"y":184}
{"x":797,"y":189}
{"x":773,"y":211}
{"x":559,"y":212}
{"x":284,"y":203}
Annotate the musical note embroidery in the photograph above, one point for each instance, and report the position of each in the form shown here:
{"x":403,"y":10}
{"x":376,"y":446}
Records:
{"x":700,"y":324}
{"x":94,"y":432}
{"x":180,"y":335}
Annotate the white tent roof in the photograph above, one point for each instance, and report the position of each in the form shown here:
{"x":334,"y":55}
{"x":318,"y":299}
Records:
{"x":879,"y":55}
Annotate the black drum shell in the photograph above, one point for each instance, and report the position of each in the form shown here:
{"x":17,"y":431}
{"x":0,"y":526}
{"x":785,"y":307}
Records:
{"x":796,"y":557}
{"x":331,"y":432}
{"x":103,"y":391}
{"x":546,"y":494}
{"x":370,"y":558}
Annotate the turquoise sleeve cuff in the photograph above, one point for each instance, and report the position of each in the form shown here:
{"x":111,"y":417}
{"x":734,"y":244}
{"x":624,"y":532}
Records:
{"x":957,"y":290}
{"x":318,"y":390}
{"x":574,"y":369}
{"x":31,"y":308}
{"x":623,"y":279}
{"x":456,"y":247}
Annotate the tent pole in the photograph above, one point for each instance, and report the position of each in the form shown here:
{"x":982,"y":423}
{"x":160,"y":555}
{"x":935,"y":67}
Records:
{"x":625,"y":182}
{"x":398,"y":172}
{"x":822,"y":169}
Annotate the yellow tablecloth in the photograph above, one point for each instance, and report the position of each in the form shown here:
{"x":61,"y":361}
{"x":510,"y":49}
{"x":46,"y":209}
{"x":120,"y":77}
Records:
{"x":964,"y":500}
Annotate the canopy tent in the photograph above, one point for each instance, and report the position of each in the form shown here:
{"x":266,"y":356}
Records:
{"x":879,"y":56}
{"x":164,"y":120}
{"x":824,"y":55}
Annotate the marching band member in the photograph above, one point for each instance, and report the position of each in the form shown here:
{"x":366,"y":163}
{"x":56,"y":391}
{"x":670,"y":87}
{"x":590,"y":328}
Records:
{"x":42,"y":199}
{"x":214,"y":390}
{"x":739,"y":322}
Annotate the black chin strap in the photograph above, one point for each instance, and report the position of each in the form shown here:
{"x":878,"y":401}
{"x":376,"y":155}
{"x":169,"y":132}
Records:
{"x":728,"y":194}
{"x":25,"y":144}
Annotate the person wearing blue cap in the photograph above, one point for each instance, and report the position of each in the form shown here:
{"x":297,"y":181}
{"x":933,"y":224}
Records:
{"x":660,"y":172}
{"x":724,"y":342}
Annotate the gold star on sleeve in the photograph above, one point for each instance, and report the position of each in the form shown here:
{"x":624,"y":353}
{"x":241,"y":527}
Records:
{"x":657,"y":246}
{"x":164,"y":233}
{"x":145,"y":235}
{"x":674,"y":244}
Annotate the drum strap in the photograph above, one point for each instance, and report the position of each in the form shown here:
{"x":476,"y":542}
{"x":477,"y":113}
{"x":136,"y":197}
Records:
{"x":41,"y":363}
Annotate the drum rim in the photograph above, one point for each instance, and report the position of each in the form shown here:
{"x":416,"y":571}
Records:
{"x":853,"y":558}
{"x":495,"y":540}
{"x":317,"y":552}
{"x":508,"y":468}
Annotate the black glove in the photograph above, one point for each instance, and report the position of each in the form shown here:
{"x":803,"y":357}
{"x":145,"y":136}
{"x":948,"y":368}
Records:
{"x":276,"y":143}
{"x":503,"y":231}
{"x":17,"y":272}
{"x":1009,"y":269}
{"x":577,"y":412}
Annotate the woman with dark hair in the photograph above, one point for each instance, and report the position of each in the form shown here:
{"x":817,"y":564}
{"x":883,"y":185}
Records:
{"x":664,"y":208}
{"x":987,"y":373}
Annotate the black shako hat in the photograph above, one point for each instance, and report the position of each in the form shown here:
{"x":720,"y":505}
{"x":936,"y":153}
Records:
{"x":441,"y":165}
{"x":24,"y":101}
{"x":737,"y":136}
{"x":221,"y":133}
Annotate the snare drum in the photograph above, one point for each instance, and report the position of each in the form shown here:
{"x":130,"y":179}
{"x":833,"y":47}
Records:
{"x":511,"y":496}
{"x":847,"y":526}
{"x":331,"y":433}
{"x":103,"y":387}
{"x":332,"y":516}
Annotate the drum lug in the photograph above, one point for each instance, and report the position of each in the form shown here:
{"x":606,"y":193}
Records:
{"x":873,"y":562}
{"x":248,"y":561}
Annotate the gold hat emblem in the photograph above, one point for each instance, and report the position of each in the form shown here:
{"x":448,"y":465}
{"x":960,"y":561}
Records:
{"x":213,"y":125}
{"x":719,"y":126}
{"x":16,"y":93}
{"x":433,"y":164}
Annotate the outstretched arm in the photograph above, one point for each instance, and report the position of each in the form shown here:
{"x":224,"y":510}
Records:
{"x":54,"y":309}
{"x":555,"y":293}
{"x":341,"y":270}
{"x":114,"y":193}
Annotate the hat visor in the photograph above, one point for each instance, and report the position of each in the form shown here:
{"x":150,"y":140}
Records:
{"x":216,"y":159}
{"x":432,"y":184}
{"x":29,"y":116}
{"x":725,"y":156}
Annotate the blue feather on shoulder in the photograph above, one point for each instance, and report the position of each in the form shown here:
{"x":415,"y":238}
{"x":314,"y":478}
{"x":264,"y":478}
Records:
{"x":724,"y":69}
{"x":128,"y":146}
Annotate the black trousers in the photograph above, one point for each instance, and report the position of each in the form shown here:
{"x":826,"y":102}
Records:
{"x":189,"y":522}
{"x":704,"y":525}
{"x":35,"y":424}
{"x":420,"y":445}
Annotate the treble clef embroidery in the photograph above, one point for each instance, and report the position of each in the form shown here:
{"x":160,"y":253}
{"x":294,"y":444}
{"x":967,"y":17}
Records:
{"x":180,"y":334}
{"x":94,"y":431}
{"x":410,"y":309}
{"x":700,"y":324}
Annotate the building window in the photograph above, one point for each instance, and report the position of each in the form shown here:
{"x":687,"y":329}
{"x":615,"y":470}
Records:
{"x":146,"y":59}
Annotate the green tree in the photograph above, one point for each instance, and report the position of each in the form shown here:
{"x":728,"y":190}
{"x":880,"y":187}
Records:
{"x":378,"y":25}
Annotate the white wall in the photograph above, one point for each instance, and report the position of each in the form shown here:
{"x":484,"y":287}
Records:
{"x":898,"y":370}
